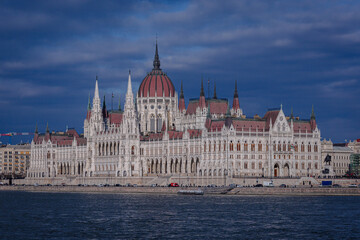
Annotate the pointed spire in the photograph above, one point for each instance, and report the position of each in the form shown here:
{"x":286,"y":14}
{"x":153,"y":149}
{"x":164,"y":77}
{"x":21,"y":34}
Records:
{"x":156,"y":63}
{"x":36,"y":128}
{"x":96,"y":94}
{"x":236,"y":92}
{"x":292,"y":114}
{"x":182,"y":90}
{"x":47,"y":127}
{"x":215,"y":97}
{"x":129,"y":89}
{"x":89,"y":104}
{"x":202,"y":88}
{"x":312,"y":113}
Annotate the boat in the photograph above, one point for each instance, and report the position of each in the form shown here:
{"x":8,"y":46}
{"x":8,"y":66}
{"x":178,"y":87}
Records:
{"x":191,"y":192}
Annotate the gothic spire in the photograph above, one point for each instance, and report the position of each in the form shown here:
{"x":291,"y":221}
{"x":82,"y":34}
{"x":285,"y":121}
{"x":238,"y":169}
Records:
{"x":36,"y":128}
{"x":156,"y":58}
{"x":47,"y":127}
{"x":312,"y":113}
{"x":202,"y":88}
{"x":129,"y":88}
{"x":96,"y":94}
{"x":215,"y":97}
{"x":292,"y":114}
{"x":236,"y":92}
{"x":182,"y":90}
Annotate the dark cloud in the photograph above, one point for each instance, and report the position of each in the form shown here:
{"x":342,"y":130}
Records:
{"x":295,"y":53}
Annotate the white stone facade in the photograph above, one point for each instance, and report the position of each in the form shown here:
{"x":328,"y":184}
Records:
{"x":184,"y":143}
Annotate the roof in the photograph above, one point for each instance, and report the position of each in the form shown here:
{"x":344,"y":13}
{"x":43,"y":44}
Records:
{"x":217,"y":106}
{"x":342,"y":149}
{"x":156,"y":83}
{"x":270,"y":115}
{"x":61,"y":139}
{"x":116,"y":117}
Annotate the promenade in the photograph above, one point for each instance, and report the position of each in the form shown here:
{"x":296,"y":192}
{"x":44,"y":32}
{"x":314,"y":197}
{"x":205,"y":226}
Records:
{"x":291,"y":191}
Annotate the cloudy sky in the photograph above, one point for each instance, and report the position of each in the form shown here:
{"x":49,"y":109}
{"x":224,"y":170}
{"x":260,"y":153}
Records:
{"x":295,"y":53}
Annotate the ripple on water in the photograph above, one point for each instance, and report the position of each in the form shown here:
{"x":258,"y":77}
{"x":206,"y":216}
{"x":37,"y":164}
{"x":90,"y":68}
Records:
{"x":131,"y":216}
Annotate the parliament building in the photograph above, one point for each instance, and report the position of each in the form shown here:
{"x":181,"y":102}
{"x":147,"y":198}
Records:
{"x":155,"y":137}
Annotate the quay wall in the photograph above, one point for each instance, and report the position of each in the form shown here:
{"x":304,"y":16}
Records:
{"x":296,"y":191}
{"x":182,"y":181}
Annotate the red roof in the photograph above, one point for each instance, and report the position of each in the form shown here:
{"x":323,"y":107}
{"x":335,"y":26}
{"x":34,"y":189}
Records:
{"x":193,"y":104}
{"x":175,"y":135}
{"x":61,"y":139}
{"x":217,"y":106}
{"x":115,"y":118}
{"x":194,"y":133}
{"x":249,"y":125}
{"x":272,"y":114}
{"x":156,"y":82}
{"x":302,"y":127}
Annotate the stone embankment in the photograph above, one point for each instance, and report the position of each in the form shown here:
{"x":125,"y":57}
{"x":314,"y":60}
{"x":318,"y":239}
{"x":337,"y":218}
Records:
{"x":298,"y":191}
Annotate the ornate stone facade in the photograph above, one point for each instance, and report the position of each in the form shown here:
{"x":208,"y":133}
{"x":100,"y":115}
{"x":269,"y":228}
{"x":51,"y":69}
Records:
{"x":156,"y":135}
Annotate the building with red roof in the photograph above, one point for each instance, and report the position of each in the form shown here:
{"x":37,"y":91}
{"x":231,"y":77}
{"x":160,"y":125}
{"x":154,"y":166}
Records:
{"x":156,"y":137}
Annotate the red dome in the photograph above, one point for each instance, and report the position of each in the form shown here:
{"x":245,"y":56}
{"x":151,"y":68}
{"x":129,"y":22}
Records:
{"x":156,"y":82}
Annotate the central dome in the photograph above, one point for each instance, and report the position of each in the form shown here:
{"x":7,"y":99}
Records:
{"x":156,"y":83}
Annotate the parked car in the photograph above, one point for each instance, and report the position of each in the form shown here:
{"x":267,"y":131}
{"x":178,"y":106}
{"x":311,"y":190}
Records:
{"x":258,"y":185}
{"x":282,"y":186}
{"x":336,"y":185}
{"x":173,"y":185}
{"x":352,"y":186}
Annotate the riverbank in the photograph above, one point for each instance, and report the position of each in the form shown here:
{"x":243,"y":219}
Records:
{"x":298,"y":191}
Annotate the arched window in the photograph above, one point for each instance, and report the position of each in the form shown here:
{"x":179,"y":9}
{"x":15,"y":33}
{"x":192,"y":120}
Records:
{"x":152,"y":123}
{"x":238,"y":146}
{"x":245,"y":147}
{"x":231,"y":146}
{"x":259,"y":147}
{"x":159,"y":122}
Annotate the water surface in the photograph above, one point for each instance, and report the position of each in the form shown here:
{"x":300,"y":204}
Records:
{"x":25,"y":215}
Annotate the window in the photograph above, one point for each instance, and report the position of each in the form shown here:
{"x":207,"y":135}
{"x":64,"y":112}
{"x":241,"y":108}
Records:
{"x":253,"y":147}
{"x":259,"y":147}
{"x":245,"y":147}
{"x":238,"y":146}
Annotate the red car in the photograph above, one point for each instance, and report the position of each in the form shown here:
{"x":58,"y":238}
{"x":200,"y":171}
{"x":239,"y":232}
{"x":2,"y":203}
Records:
{"x":173,"y":185}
